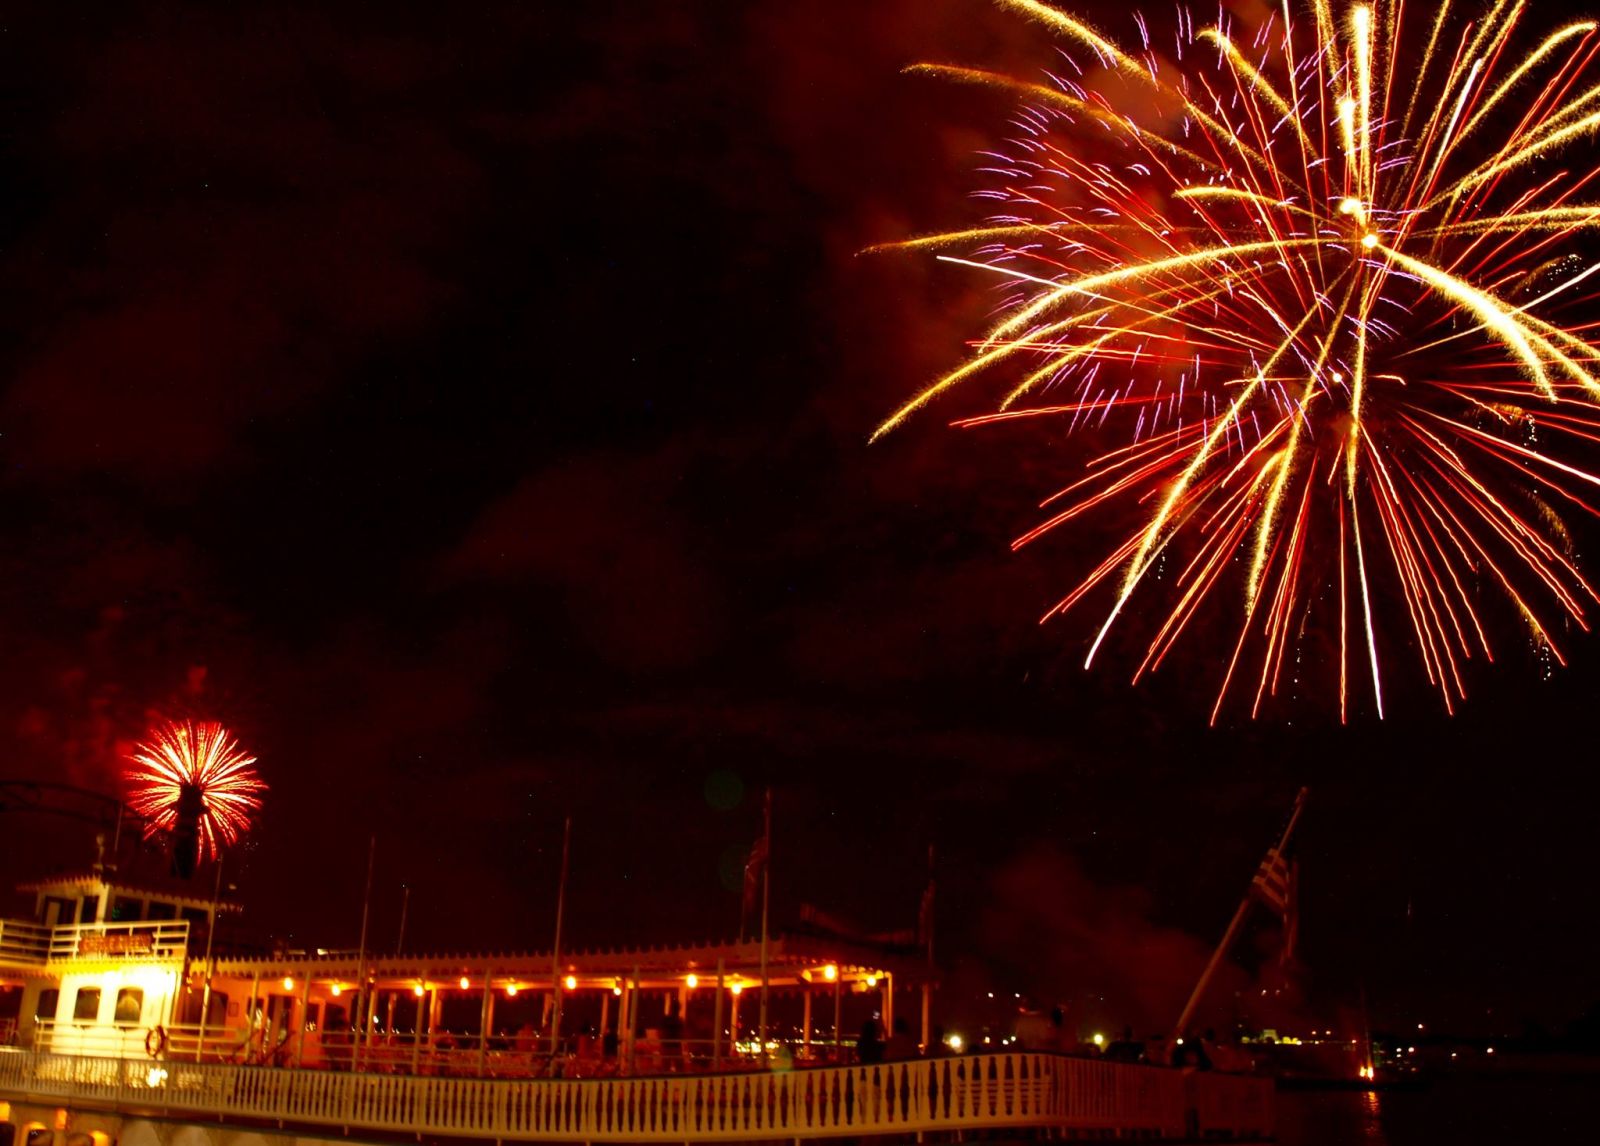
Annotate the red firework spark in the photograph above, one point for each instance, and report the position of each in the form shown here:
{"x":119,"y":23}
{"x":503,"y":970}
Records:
{"x":198,"y":756}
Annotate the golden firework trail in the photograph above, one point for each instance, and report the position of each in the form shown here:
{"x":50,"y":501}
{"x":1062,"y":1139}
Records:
{"x":1336,"y":288}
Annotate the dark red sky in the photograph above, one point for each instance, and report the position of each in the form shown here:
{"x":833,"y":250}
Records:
{"x":481,"y":400}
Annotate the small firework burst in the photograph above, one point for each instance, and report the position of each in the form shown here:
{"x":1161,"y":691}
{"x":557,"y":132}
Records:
{"x":192,"y":779}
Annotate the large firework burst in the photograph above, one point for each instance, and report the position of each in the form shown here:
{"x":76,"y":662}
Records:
{"x":192,"y":779}
{"x":1334,"y":291}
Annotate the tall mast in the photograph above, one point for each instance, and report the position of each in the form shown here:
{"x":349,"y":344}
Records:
{"x":766,"y":889}
{"x":555,"y":954}
{"x":1233,"y":927}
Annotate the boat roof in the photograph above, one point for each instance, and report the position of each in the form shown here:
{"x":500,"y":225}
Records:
{"x":170,"y":891}
{"x":790,"y":959}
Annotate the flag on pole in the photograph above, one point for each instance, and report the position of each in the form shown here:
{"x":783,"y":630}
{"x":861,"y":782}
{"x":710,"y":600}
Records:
{"x":1291,"y":918}
{"x":1271,"y":884}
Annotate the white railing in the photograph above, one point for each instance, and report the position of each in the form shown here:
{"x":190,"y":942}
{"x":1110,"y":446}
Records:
{"x":126,"y":1040}
{"x":23,"y":942}
{"x":53,"y":1036}
{"x":151,"y":940}
{"x":969,"y":1093}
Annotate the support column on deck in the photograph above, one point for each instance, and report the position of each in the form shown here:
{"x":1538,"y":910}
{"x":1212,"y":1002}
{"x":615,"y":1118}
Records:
{"x":485,"y":1019}
{"x":805,"y":1025}
{"x":622,"y":1025}
{"x":305,"y":1021}
{"x":716,"y":1020}
{"x":416,"y":1030}
{"x":388,"y":1024}
{"x":838,"y":1011}
{"x":631,"y":998}
{"x":369,"y":1002}
{"x":250,"y":1013}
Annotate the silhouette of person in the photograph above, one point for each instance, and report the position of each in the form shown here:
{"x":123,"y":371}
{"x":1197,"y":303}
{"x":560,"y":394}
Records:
{"x":901,"y":1045}
{"x":869,"y":1046}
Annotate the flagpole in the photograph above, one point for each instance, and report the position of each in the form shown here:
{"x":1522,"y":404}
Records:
{"x":1233,"y":928}
{"x":405,"y":909}
{"x":361,"y":962}
{"x":927,"y":983}
{"x":766,"y":889}
{"x":1291,"y":923}
{"x":211,"y":963}
{"x":555,"y":954}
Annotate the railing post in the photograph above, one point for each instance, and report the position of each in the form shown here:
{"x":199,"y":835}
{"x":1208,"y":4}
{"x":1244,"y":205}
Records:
{"x":716,"y":1020}
{"x":305,"y":1021}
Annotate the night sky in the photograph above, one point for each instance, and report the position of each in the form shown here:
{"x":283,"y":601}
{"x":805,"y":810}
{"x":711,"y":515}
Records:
{"x":469,"y":405}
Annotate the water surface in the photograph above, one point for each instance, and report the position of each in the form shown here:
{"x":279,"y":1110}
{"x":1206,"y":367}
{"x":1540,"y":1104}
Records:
{"x":1453,"y":1111}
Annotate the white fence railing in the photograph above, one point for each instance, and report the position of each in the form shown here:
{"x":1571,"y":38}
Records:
{"x":23,"y":942}
{"x":966,"y":1093}
{"x":152,"y":940}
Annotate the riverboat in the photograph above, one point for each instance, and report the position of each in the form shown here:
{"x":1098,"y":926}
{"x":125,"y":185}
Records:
{"x":125,"y":1022}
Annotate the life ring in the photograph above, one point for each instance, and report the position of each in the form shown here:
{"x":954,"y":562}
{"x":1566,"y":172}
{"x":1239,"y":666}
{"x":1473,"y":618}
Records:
{"x":155,"y":1041}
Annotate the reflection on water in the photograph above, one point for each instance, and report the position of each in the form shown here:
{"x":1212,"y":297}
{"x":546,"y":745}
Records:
{"x":1484,"y":1111}
{"x":1371,"y":1109}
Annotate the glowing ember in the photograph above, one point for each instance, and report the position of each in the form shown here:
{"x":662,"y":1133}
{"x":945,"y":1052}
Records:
{"x":195,"y":771}
{"x":1325,"y":289}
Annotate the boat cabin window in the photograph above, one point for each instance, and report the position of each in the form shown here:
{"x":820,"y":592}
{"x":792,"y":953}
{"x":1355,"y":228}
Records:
{"x":88,"y":909}
{"x":130,"y":1005}
{"x":159,"y":910}
{"x":86,"y":1007}
{"x":125,"y":910}
{"x":57,"y":911}
{"x":45,"y":1008}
